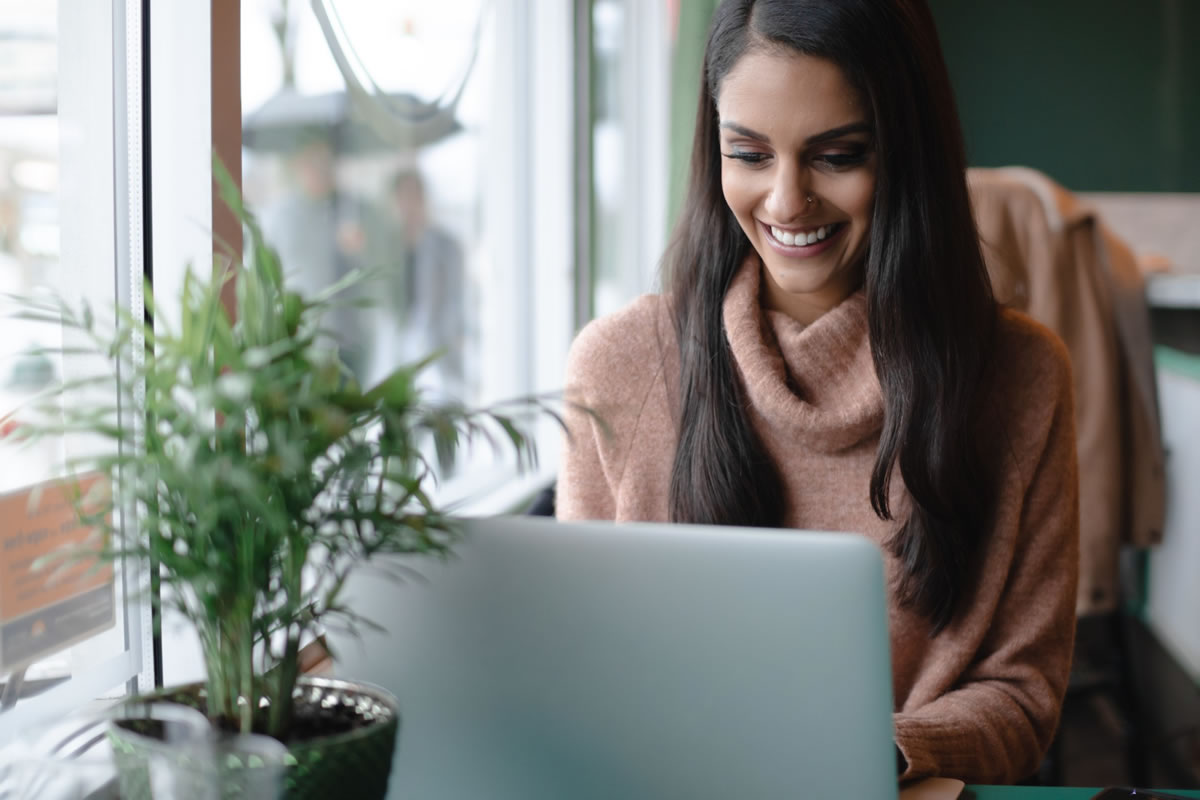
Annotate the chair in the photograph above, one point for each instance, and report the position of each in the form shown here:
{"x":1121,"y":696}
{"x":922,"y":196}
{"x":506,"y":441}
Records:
{"x":542,"y":503}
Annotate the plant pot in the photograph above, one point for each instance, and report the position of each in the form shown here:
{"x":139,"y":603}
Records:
{"x":164,"y":749}
{"x":354,"y":763}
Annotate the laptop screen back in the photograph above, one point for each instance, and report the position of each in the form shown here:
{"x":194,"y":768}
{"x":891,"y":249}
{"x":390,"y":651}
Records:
{"x":554,"y":660}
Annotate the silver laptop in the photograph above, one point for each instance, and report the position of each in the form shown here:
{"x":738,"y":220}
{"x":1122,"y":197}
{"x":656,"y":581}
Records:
{"x":593,"y":661}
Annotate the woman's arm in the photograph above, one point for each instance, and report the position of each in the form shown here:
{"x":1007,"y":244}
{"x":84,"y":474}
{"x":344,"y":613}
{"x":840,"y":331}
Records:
{"x":614,"y":372}
{"x":583,"y":490}
{"x":998,"y":725}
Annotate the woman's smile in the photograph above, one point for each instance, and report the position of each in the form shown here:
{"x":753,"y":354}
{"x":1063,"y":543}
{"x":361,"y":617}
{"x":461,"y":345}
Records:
{"x":802,"y":242}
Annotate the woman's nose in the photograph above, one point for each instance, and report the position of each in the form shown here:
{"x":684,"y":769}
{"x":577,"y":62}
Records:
{"x":788,"y":199}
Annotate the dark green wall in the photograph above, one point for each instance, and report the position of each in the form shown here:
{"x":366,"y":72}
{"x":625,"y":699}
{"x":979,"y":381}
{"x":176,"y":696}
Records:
{"x":1102,"y":95}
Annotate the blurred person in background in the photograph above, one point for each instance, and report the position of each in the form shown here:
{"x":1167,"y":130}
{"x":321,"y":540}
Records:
{"x":323,"y":233}
{"x":429,"y":287}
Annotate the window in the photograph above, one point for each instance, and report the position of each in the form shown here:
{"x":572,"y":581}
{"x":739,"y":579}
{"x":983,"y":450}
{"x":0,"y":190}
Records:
{"x":66,"y":198}
{"x":471,"y":220}
{"x":629,"y":117}
{"x":430,"y":144}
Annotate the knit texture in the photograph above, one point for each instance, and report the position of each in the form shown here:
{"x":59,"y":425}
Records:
{"x":981,"y":700}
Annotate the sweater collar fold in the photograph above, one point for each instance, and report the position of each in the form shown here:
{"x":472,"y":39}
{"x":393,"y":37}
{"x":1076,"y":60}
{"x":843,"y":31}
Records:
{"x":815,"y":384}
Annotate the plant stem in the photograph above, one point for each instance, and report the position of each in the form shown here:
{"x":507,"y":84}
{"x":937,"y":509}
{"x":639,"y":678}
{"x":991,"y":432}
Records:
{"x":284,"y":704}
{"x":246,"y":669}
{"x":244,"y":622}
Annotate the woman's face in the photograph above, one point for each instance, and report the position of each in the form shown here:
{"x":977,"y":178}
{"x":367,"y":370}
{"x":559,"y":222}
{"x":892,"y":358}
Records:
{"x":798,"y":172}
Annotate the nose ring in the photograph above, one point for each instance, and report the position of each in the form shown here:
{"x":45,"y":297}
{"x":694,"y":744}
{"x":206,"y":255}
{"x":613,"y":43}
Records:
{"x":809,"y":198}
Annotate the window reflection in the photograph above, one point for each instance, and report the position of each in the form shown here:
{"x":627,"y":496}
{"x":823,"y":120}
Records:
{"x":28,"y":217}
{"x":363,"y":127}
{"x":59,"y":629}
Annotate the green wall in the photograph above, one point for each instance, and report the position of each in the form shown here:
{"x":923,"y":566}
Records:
{"x":686,"y":63}
{"x":1102,"y":95}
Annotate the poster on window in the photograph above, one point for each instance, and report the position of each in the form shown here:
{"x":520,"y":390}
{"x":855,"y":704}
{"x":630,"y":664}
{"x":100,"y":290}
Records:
{"x":49,"y":600}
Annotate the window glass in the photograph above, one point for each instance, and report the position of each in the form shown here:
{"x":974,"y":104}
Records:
{"x":422,"y":142}
{"x":66,"y":635}
{"x":29,"y":231}
{"x":629,"y":114}
{"x":364,"y":131}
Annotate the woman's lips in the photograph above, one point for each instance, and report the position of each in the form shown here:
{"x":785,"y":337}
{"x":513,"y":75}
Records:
{"x":802,"y":250}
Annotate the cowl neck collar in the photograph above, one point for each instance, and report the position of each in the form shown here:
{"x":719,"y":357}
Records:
{"x":811,"y":384}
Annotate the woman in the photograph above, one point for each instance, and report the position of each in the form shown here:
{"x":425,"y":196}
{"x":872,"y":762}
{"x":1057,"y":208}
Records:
{"x":827,"y":354}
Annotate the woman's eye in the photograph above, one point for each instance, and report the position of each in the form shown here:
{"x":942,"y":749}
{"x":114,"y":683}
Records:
{"x":748,"y":157}
{"x":842,"y":160}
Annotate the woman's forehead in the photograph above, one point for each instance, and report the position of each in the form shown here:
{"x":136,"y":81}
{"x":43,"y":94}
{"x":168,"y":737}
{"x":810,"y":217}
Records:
{"x":789,"y":94}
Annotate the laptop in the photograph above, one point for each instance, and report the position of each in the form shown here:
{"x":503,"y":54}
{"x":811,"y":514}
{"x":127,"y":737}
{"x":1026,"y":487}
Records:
{"x":593,"y":661}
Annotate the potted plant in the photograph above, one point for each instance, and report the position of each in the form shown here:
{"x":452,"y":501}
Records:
{"x":261,"y":477}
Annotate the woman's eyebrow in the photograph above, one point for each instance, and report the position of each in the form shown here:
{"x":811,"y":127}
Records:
{"x":824,"y":136}
{"x":837,"y":133}
{"x":744,"y":131}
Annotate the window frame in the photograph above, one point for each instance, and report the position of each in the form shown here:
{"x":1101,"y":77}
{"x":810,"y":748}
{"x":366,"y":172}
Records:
{"x":100,"y":166}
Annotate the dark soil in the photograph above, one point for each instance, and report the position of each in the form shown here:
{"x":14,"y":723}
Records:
{"x":309,"y":720}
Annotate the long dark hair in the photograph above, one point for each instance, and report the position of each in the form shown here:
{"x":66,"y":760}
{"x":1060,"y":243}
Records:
{"x":930,"y":306}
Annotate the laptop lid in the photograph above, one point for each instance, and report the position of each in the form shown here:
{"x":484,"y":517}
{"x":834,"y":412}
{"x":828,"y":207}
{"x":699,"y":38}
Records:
{"x":552,"y":660}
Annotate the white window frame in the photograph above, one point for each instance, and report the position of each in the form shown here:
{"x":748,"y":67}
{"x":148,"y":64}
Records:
{"x":531,"y":229}
{"x":99,"y":213}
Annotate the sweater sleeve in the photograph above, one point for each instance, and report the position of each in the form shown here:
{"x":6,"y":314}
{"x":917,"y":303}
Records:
{"x":998,"y":723}
{"x":583,"y":490}
{"x":614,"y":367}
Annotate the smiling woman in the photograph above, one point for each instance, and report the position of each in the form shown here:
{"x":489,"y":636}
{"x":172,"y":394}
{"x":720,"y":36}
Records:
{"x":803,"y":188}
{"x":827,"y":354}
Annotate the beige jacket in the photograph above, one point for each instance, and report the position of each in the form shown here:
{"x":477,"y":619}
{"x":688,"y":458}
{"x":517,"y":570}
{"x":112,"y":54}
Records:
{"x":1051,"y":256}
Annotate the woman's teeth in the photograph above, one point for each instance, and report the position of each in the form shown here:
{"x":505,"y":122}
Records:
{"x":802,"y":237}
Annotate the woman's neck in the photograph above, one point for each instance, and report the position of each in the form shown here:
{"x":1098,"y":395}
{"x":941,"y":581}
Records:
{"x":805,"y":307}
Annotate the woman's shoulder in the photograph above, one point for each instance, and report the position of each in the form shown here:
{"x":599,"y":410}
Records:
{"x":622,"y":346}
{"x":1031,"y":393}
{"x":1029,"y":355}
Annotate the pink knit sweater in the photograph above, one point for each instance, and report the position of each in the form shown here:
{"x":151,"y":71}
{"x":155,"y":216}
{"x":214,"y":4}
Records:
{"x":981,"y":700}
